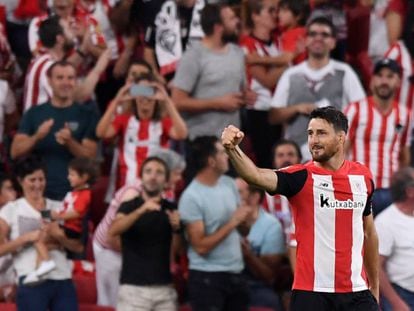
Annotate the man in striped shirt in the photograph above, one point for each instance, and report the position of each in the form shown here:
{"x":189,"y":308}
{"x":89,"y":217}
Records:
{"x":337,"y":251}
{"x":380,"y":131}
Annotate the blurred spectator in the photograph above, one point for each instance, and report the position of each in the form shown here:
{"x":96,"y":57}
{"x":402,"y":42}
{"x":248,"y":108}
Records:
{"x":378,"y":33}
{"x":380,"y":131}
{"x":135,"y":70}
{"x":209,"y":85}
{"x":57,"y":44}
{"x":395,"y":18}
{"x":334,"y":11}
{"x":210,"y":212}
{"x":9,"y":118}
{"x":395,"y":227}
{"x":82,"y":173}
{"x":107,"y":250}
{"x":7,"y":275}
{"x":263,"y":248}
{"x":149,"y":227}
{"x":262,"y":78}
{"x":58,"y":130}
{"x":76,"y":22}
{"x":21,"y":225}
{"x":143,"y":12}
{"x":176,"y":27}
{"x":293,"y":15}
{"x":285,"y":153}
{"x":320,"y":81}
{"x":147,"y":127}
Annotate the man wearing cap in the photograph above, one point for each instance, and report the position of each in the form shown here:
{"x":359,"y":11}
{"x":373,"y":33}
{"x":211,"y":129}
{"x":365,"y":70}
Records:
{"x":379,"y":131}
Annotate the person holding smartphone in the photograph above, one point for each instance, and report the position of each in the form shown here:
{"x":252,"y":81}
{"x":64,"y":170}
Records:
{"x":152,"y":122}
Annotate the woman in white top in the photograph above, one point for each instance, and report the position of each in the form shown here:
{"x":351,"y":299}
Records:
{"x":21,"y":226}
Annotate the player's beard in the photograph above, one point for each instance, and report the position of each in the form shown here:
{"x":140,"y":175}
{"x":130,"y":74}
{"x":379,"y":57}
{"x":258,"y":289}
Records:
{"x":328,"y":153}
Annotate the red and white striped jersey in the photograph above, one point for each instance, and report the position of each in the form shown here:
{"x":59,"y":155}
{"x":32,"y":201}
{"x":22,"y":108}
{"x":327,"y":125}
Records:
{"x":278,"y":206}
{"x":377,"y":139}
{"x":398,"y":52}
{"x":36,"y":88}
{"x":252,"y":45}
{"x":328,"y":209}
{"x":78,"y":201}
{"x":137,"y":138}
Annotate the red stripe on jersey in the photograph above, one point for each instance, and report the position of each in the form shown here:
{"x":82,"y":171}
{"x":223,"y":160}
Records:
{"x":394,"y":144}
{"x":304,"y":220}
{"x":343,"y":238}
{"x":36,"y":82}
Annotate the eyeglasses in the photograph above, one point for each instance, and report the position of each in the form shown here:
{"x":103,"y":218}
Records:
{"x":314,"y":34}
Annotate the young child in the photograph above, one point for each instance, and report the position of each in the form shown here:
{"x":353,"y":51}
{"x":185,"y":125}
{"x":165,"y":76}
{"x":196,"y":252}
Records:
{"x":82,"y":173}
{"x":292,"y":19}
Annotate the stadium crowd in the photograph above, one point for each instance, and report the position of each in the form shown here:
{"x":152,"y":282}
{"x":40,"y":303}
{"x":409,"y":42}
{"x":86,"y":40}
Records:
{"x":116,"y":191}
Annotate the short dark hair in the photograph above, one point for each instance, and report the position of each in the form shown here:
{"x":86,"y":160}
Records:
{"x":158,"y":160}
{"x":29,"y":165}
{"x":332,"y":116}
{"x":253,"y":7}
{"x":399,"y":183}
{"x":49,"y":29}
{"x":59,"y":63}
{"x":211,"y":16}
{"x":284,"y":141}
{"x":83,"y":165}
{"x":299,"y":8}
{"x":202,"y":148}
{"x":5,"y":177}
{"x":140,"y":62}
{"x":322,"y":20}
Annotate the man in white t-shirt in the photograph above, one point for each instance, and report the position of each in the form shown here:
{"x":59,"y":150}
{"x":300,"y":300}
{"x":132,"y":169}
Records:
{"x":395,"y":228}
{"x":317,"y":82}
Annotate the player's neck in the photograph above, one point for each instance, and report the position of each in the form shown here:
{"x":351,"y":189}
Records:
{"x":333,"y":164}
{"x":61,"y":103}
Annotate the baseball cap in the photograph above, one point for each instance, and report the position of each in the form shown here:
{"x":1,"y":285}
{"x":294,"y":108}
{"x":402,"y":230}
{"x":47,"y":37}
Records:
{"x":387,"y":63}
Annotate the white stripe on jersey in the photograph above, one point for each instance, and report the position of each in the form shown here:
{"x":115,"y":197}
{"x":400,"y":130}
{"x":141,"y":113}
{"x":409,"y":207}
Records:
{"x":359,"y":188}
{"x":324,"y":238}
{"x":360,"y":132}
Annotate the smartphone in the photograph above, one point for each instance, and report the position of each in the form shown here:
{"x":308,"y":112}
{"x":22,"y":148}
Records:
{"x":46,"y":214}
{"x":141,"y":90}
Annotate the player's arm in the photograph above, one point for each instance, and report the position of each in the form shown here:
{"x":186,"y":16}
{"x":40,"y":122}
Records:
{"x":371,"y":256}
{"x":263,"y":178}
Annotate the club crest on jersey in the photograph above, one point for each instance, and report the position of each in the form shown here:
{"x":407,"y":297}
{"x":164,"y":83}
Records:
{"x":329,"y":203}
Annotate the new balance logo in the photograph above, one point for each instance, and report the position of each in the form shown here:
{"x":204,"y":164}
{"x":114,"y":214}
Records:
{"x":326,"y":202}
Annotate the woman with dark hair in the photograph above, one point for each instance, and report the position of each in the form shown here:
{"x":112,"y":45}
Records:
{"x":21,"y":226}
{"x":153,"y":121}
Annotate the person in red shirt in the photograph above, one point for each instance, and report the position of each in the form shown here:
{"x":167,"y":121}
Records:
{"x":337,"y":251}
{"x":82,"y":173}
{"x":292,"y":19}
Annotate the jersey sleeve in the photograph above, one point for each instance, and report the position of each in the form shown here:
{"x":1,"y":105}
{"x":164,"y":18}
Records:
{"x":189,"y":208}
{"x":26,"y":125}
{"x":289,"y":183}
{"x":370,"y":190}
{"x":119,"y":123}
